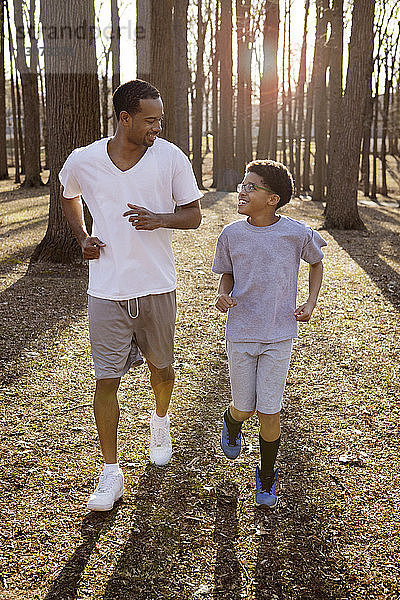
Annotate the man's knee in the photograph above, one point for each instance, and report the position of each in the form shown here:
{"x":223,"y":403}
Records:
{"x":107,"y":387}
{"x":161,"y":375}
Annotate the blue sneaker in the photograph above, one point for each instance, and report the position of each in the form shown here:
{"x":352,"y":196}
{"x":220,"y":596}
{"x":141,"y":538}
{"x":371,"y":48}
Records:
{"x":230,"y":445}
{"x":265,"y":497}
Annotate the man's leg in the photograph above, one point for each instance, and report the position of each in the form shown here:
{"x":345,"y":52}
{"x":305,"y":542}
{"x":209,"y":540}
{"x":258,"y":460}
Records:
{"x":162,"y":382}
{"x":106,"y":412}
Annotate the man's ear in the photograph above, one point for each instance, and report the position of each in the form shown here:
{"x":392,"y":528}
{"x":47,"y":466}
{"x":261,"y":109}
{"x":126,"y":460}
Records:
{"x":124,"y":117}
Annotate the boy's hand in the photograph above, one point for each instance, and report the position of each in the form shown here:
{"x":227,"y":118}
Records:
{"x":303,"y":313}
{"x":224,"y":302}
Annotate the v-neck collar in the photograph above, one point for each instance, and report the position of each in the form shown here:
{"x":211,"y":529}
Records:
{"x":134,"y":167}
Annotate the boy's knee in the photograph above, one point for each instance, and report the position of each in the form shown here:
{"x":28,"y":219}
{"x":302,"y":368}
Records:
{"x":241,"y":415}
{"x":161,"y":375}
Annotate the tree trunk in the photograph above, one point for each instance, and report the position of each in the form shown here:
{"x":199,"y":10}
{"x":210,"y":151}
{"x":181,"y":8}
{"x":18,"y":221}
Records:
{"x":266,"y":145}
{"x":143,"y":39}
{"x":162,"y":60}
{"x":320,"y":104}
{"x":72,"y":88}
{"x":182,"y":77}
{"x":385,"y":116}
{"x":17,"y":178}
{"x":3,"y":141}
{"x":335,"y":73}
{"x":19,"y":121}
{"x":243,"y":142}
{"x":374,"y":184}
{"x":366,"y":141}
{"x":289,"y":99}
{"x":104,"y":95}
{"x":197,"y":127}
{"x":342,"y":211}
{"x":115,"y":48}
{"x":300,"y":101}
{"x":215,"y":94}
{"x":227,"y":176}
{"x":44,"y":124}
{"x":30,"y":97}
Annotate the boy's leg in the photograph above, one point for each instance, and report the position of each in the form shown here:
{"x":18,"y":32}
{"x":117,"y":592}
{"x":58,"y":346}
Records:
{"x":242,"y":361}
{"x":270,"y":437}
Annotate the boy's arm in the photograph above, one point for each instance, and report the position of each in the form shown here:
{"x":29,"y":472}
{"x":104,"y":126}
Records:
{"x":304,"y":312}
{"x":224,"y":300}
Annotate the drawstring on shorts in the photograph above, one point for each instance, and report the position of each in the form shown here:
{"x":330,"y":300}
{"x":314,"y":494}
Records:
{"x":129,"y":309}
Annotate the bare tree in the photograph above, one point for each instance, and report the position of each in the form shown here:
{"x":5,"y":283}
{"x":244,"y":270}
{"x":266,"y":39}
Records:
{"x":17,"y":178}
{"x":30,"y":93}
{"x":299,"y":106}
{"x":341,"y":210}
{"x":181,"y":75}
{"x":115,"y":48}
{"x":227,"y":176}
{"x":243,"y":141}
{"x":266,"y":146}
{"x":215,"y":91}
{"x":197,"y":119}
{"x":3,"y":142}
{"x":73,"y":110}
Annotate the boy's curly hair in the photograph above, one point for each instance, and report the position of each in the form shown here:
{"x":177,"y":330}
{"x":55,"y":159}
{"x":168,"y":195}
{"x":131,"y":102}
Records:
{"x":276,"y":176}
{"x":128,"y":95}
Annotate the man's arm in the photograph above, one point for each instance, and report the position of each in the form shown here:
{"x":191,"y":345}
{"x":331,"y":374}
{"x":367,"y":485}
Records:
{"x":187,"y":216}
{"x":224,"y":300}
{"x":73,"y":211}
{"x":304,"y":312}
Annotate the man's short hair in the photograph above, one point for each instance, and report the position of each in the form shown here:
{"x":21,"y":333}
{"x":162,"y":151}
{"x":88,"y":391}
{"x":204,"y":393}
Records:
{"x":128,"y":95}
{"x":275,"y":176}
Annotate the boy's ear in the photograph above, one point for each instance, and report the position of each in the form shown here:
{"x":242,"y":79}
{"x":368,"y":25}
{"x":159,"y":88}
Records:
{"x":274,"y":200}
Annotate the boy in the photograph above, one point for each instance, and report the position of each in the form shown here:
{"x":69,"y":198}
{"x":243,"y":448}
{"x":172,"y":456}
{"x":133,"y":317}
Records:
{"x":258,"y":259}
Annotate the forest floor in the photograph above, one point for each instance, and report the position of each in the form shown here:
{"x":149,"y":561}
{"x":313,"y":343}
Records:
{"x":191,"y":530}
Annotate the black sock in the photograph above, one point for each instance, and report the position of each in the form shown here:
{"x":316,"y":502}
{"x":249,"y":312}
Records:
{"x":268,"y":451}
{"x":233,"y":425}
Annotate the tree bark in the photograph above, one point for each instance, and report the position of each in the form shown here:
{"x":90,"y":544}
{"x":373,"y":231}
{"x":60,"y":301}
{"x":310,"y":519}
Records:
{"x":182,"y":77}
{"x":72,"y":88}
{"x":335,"y":73}
{"x":162,"y":60}
{"x":17,"y":178}
{"x":243,"y":140}
{"x":115,"y":50}
{"x":342,"y":211}
{"x":197,"y":127}
{"x":215,"y":93}
{"x":3,"y":141}
{"x":266,"y":145}
{"x":30,"y":96}
{"x":227,"y":175}
{"x":320,"y":104}
{"x":299,"y":112}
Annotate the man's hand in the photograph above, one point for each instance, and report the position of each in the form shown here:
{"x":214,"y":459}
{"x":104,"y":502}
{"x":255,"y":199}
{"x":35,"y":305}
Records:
{"x":224,"y":302}
{"x":303,"y":313}
{"x":91,"y":247}
{"x":142,"y":218}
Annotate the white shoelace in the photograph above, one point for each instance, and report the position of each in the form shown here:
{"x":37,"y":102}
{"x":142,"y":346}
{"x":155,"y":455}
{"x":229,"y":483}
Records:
{"x":160,"y":437}
{"x":106,"y":483}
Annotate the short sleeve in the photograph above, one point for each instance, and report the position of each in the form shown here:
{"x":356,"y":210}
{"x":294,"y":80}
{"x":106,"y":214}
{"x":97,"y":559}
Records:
{"x":311,"y":251}
{"x":222,"y":258}
{"x":68,"y":179}
{"x":184,"y":185}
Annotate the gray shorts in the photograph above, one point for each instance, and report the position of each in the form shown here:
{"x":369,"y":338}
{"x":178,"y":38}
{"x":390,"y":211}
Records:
{"x":122,"y":331}
{"x":258,"y":374}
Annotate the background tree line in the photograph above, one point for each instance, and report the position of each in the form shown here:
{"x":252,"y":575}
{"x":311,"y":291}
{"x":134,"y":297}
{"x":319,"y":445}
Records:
{"x":233,"y":88}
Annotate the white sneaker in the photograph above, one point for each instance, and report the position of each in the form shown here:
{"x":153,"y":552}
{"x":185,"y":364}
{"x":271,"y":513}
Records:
{"x":110,"y":488}
{"x":160,"y":442}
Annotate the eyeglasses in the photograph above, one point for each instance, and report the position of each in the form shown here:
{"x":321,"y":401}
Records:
{"x":251,"y":187}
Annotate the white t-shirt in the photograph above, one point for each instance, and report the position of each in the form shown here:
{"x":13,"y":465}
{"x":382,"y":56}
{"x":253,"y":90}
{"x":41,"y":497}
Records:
{"x":133,"y":263}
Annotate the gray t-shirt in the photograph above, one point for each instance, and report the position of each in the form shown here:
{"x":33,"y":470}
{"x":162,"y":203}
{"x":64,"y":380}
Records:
{"x":264,"y":262}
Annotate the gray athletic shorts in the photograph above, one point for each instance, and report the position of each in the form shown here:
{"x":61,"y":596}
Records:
{"x":258,"y":374}
{"x":122,"y":331}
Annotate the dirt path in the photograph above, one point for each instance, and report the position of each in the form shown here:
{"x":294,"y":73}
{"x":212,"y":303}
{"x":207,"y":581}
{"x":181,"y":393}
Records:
{"x":191,"y":530}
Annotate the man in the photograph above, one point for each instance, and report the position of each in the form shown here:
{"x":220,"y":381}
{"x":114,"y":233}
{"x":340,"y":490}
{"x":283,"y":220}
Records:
{"x":138,"y":188}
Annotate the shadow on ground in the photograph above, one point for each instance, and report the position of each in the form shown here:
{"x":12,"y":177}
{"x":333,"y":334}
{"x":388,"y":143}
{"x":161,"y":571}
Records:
{"x":371,"y":253}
